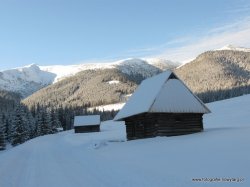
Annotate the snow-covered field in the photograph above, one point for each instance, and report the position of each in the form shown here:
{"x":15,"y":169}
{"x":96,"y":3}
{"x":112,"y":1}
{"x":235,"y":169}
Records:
{"x":109,"y":107}
{"x":215,"y":157}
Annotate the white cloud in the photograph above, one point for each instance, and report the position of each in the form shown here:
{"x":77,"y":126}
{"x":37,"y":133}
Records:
{"x":237,"y":34}
{"x":185,"y":48}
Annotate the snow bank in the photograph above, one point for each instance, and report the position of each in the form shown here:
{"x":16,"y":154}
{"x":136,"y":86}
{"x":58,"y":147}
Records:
{"x":113,"y":82}
{"x":109,"y":107}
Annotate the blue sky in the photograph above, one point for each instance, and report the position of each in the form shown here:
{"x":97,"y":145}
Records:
{"x":49,"y":32}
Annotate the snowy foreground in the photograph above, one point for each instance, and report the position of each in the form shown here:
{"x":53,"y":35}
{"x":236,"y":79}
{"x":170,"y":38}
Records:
{"x":219,"y":156}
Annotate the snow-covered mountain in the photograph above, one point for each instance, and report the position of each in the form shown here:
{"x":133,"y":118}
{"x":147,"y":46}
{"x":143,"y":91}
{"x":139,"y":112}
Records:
{"x":233,"y":48}
{"x":28,"y":79}
{"x":25,"y":80}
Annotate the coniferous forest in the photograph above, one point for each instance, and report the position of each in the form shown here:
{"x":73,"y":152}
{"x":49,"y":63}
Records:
{"x":18,"y":123}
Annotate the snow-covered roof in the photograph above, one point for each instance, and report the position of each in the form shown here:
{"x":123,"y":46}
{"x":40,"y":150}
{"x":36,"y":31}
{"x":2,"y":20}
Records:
{"x":164,"y":92}
{"x":87,"y":120}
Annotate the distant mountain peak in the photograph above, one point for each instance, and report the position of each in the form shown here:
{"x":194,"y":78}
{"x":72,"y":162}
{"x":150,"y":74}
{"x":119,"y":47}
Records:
{"x":30,"y":68}
{"x":31,"y":65}
{"x":130,"y":60}
{"x":233,"y":48}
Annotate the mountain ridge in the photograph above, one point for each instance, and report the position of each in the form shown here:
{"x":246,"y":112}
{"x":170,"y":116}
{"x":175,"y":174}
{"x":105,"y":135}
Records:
{"x":29,"y":79}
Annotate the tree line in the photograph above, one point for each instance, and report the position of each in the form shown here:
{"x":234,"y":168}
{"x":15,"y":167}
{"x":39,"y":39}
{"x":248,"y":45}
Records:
{"x":25,"y":123}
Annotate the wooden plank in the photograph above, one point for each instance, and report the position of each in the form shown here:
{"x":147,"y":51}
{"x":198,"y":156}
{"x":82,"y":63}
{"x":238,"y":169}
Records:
{"x":165,"y":124}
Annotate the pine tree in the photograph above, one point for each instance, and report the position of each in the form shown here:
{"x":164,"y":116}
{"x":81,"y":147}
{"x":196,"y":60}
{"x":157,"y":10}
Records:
{"x":2,"y":133}
{"x":38,"y":131}
{"x":19,"y":132}
{"x":8,"y":127}
{"x":46,"y":123}
{"x":55,"y":123}
{"x":30,"y":126}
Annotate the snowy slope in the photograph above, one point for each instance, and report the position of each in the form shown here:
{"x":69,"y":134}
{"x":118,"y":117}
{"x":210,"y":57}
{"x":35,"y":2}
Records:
{"x":221,"y":153}
{"x":29,"y":79}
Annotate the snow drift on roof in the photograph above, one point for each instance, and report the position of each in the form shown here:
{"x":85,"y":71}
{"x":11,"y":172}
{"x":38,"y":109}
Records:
{"x":86,"y":120}
{"x":143,"y":97}
{"x":162,"y":93}
{"x":179,"y":99}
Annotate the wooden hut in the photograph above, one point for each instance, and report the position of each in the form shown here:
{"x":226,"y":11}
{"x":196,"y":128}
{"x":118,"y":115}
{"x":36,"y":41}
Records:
{"x":89,"y":123}
{"x":162,"y":106}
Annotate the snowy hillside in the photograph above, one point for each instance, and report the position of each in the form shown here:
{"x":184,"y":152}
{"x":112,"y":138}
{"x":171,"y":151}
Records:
{"x":29,"y":79}
{"x":219,"y":156}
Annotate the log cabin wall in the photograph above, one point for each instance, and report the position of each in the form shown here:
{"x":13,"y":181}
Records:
{"x":85,"y":129}
{"x":140,"y":126}
{"x":148,"y":125}
{"x":178,"y":124}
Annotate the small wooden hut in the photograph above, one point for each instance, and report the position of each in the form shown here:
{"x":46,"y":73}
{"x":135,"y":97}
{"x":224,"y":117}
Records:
{"x":162,"y":106}
{"x":89,"y":123}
